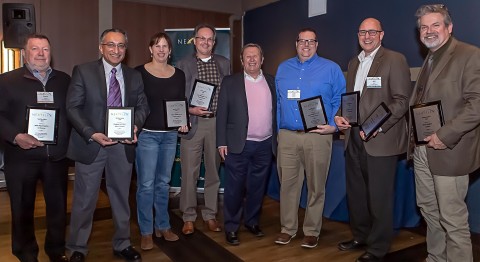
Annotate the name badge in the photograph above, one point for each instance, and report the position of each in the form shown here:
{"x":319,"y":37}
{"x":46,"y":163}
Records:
{"x":374,"y":82}
{"x":293,"y":94}
{"x":45,"y":97}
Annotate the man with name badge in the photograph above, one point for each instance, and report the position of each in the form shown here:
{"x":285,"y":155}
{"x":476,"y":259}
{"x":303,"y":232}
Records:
{"x":305,"y":154}
{"x":380,"y":75}
{"x":35,"y":156}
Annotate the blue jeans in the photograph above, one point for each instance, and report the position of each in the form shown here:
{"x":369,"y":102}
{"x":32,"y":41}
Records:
{"x":154,"y":161}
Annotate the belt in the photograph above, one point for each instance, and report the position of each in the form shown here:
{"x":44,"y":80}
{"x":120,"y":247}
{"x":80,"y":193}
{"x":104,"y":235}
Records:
{"x":297,"y":130}
{"x":212,"y":115}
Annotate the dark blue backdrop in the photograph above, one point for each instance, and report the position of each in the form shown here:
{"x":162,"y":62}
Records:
{"x":275,"y":27}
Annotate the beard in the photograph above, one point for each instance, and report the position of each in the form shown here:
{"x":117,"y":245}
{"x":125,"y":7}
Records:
{"x":432,"y":43}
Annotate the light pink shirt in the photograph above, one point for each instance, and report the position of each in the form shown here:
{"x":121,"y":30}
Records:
{"x":259,"y":100}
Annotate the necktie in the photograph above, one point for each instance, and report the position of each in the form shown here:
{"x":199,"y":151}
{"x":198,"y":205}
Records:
{"x":423,"y":80}
{"x":114,"y":94}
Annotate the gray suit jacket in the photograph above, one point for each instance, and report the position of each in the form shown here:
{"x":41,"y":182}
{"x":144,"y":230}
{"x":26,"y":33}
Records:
{"x":455,"y":80}
{"x":87,"y":105}
{"x":232,"y":113}
{"x":396,"y":88}
{"x":189,"y":65}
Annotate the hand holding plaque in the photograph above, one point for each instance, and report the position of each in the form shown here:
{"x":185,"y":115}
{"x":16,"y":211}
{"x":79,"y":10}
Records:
{"x":202,"y":94}
{"x":375,"y":120}
{"x":312,"y":112}
{"x":350,"y":107}
{"x":120,"y":123}
{"x":426,"y":118}
{"x":42,"y":123}
{"x":176,"y":113}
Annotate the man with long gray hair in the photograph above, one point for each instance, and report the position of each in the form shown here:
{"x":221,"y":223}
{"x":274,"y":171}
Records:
{"x":451,"y":75}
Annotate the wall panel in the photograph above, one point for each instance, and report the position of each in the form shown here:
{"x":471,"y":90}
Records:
{"x":72,"y":27}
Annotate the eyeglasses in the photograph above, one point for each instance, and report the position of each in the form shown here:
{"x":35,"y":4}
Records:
{"x":370,"y":32}
{"x":203,"y":39}
{"x":111,"y":45}
{"x":306,"y":41}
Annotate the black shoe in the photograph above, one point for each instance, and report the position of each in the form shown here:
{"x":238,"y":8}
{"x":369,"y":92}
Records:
{"x":58,"y":258}
{"x":77,"y":257}
{"x":232,"y":238}
{"x":351,"y":245}
{"x":129,"y":254}
{"x":255,"y":229}
{"x":369,"y":257}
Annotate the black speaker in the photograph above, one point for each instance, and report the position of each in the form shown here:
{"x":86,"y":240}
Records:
{"x":18,"y":23}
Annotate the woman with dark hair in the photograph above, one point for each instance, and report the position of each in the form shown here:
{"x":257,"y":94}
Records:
{"x":157,"y":143}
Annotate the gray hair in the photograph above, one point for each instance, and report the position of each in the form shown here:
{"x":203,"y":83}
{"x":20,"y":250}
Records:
{"x":435,"y":8}
{"x":113,"y":30}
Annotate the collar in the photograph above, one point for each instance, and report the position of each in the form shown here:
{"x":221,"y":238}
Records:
{"x":251,"y":78}
{"x":441,"y":50}
{"x":35,"y":72}
{"x":205,"y":60}
{"x":108,"y":67}
{"x":309,"y":61}
{"x":362,"y":57}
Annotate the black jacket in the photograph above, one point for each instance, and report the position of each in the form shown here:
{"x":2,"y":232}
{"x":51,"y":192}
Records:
{"x":18,"y":89}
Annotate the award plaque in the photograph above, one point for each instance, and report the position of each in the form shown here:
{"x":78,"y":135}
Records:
{"x":42,"y":123}
{"x":427,"y":118}
{"x":375,"y":120}
{"x":202,"y":94}
{"x":176,"y":113}
{"x":350,"y":102}
{"x":312,"y":112}
{"x":119,"y":124}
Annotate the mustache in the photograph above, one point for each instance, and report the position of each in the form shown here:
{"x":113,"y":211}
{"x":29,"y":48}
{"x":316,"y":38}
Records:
{"x":430,"y":34}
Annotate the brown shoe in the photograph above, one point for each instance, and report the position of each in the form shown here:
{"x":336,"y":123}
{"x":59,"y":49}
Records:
{"x":309,"y":241}
{"x":187,"y":228}
{"x":284,"y":238}
{"x":213,"y":225}
{"x":167,"y":234}
{"x":147,"y":242}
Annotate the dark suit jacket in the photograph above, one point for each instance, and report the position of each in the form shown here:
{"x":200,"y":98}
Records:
{"x":87,"y":105}
{"x":189,"y":65}
{"x":18,"y":89}
{"x":232,"y":113}
{"x":396,"y":88}
{"x":455,"y":80}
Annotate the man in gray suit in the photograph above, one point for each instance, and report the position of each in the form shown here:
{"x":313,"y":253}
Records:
{"x":450,"y":74}
{"x":380,"y":75}
{"x":246,"y":139}
{"x":208,"y":67}
{"x":88,"y":97}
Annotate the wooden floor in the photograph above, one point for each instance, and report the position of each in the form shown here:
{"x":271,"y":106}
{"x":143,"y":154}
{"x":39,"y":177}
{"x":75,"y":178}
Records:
{"x":209,"y":246}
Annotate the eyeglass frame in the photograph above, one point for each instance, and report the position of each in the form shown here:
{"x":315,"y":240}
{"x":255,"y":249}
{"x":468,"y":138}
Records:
{"x":111,"y":45}
{"x":309,"y":42}
{"x":203,"y":39}
{"x":370,"y":32}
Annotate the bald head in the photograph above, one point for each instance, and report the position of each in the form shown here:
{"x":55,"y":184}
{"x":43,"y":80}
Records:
{"x":372,"y":22}
{"x":370,"y":35}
